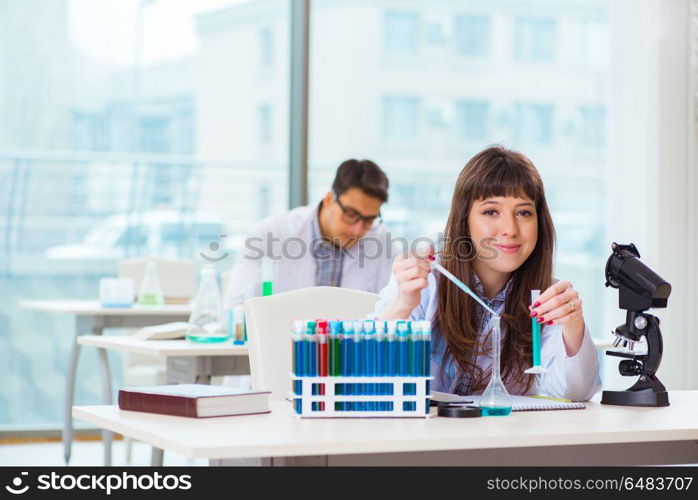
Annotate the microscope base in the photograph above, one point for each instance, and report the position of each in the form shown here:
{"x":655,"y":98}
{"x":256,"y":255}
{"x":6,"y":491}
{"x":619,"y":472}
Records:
{"x":646,"y":397}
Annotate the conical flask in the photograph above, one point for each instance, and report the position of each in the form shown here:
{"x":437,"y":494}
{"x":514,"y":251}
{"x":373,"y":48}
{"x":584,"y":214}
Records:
{"x":150,"y":293}
{"x":495,"y":400}
{"x":207,"y":320}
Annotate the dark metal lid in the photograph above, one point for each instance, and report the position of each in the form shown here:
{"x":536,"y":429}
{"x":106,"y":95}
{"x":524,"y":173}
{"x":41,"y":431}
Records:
{"x":459,"y":411}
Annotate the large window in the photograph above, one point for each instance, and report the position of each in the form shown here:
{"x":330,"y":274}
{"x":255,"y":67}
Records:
{"x":401,"y":32}
{"x":533,"y":124}
{"x":127,"y":127}
{"x":472,"y":35}
{"x":132,"y":127}
{"x":534,"y":39}
{"x":471,"y":119}
{"x":400,"y":118}
{"x":457,"y":96}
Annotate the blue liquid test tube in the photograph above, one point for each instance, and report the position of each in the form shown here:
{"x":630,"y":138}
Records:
{"x":297,"y":340}
{"x":391,"y":348}
{"x":416,"y":349}
{"x":535,"y":330}
{"x":370,"y":368}
{"x":426,"y":360}
{"x":298,"y":361}
{"x":359,"y":361}
{"x":391,"y":359}
{"x":380,"y":360}
{"x":311,"y":354}
{"x":402,"y":349}
{"x":426,"y":348}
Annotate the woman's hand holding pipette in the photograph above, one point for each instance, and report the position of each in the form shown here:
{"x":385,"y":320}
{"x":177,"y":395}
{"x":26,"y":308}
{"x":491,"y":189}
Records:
{"x":560,"y":304}
{"x":410,"y":272}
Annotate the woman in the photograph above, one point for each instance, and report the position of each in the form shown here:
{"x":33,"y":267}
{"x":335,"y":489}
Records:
{"x":499,"y":240}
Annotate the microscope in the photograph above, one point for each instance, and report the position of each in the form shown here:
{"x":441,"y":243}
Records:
{"x":639,"y":289}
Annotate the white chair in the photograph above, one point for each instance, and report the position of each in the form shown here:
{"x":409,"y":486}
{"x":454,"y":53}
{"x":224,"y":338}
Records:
{"x":268,"y":321}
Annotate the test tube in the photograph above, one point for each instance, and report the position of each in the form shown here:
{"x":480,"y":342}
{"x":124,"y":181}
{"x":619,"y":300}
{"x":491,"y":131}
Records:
{"x":267,"y":276}
{"x":323,"y":355}
{"x":391,"y":346}
{"x":380,"y":360}
{"x":335,"y":351}
{"x":359,"y":361}
{"x":348,"y":360}
{"x":426,"y":348}
{"x":298,"y":361}
{"x":335,"y":356}
{"x":426,"y":358}
{"x":415,"y":352}
{"x":535,"y":330}
{"x":402,"y":349}
{"x":311,"y":353}
{"x":370,"y":367}
{"x":239,"y":320}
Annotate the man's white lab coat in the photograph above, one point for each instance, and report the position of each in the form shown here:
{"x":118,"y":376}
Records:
{"x":287,"y":239}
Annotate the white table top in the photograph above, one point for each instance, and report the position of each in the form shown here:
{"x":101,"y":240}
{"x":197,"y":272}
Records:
{"x":280,"y":434}
{"x":162,"y":348}
{"x":93,"y":308}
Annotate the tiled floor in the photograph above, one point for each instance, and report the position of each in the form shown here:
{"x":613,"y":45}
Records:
{"x":85,"y":453}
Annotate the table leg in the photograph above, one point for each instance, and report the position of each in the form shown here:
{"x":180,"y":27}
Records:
{"x":107,"y":400}
{"x":69,"y":397}
{"x":156,"y":457}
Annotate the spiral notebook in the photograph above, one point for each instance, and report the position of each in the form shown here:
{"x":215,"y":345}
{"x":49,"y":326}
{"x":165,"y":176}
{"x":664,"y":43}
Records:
{"x":519,"y":403}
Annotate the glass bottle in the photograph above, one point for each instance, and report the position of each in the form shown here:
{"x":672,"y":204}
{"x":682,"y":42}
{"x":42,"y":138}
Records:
{"x":495,"y":400}
{"x":150,"y":293}
{"x":207,"y":322}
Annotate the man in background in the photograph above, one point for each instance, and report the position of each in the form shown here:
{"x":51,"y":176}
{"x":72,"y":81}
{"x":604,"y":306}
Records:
{"x":340,"y":241}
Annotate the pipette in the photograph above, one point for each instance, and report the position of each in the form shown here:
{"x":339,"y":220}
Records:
{"x":458,"y":283}
{"x":425,"y":249}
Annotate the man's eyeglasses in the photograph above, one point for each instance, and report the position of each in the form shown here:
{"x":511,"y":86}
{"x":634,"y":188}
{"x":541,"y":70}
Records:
{"x":351,"y":216}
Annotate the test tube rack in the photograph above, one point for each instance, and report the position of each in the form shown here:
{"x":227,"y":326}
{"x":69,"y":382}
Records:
{"x":397,"y":404}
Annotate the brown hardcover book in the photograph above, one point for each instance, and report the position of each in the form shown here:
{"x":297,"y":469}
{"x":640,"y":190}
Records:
{"x":194,"y":400}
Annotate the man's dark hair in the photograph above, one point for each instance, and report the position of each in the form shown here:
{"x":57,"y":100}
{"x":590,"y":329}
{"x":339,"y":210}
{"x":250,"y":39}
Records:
{"x":362,"y":174}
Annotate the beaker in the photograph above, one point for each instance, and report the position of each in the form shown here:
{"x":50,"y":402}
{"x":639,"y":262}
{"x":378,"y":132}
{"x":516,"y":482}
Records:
{"x":150,"y":293}
{"x":207,"y":322}
{"x":495,"y":401}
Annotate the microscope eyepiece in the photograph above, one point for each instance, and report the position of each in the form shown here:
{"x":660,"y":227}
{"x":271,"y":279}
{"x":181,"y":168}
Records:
{"x":640,"y":288}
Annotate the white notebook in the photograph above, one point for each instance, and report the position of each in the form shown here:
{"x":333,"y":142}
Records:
{"x":519,"y":403}
{"x":167,"y":331}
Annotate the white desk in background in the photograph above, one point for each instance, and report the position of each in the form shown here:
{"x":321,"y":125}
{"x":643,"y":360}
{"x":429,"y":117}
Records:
{"x":598,"y":435}
{"x":91,"y":319}
{"x":187,"y":363}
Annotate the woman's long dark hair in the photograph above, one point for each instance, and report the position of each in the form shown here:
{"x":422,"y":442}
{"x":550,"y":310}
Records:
{"x":496,"y":171}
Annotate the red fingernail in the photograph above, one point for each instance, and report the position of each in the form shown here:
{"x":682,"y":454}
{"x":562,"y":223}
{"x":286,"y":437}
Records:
{"x":534,"y":314}
{"x":536,"y":304}
{"x":550,"y":322}
{"x":541,"y":320}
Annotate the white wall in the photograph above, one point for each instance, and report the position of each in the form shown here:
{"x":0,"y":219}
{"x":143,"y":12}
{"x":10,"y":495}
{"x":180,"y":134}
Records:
{"x":652,"y":182}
